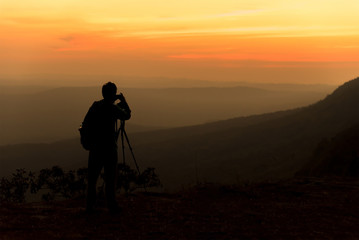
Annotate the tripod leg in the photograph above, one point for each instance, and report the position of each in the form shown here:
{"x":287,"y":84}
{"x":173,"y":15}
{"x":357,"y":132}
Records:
{"x":133,"y":156}
{"x":123,"y":147}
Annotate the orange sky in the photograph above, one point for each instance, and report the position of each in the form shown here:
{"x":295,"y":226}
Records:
{"x":229,"y":40}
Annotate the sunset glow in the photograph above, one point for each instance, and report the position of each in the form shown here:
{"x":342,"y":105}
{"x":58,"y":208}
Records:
{"x":313,"y":41}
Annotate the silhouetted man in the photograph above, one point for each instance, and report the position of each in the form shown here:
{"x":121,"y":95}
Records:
{"x":102,"y":118}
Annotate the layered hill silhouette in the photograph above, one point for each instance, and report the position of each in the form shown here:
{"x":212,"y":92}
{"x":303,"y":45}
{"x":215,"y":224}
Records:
{"x":258,"y":147}
{"x":337,"y":156}
{"x":274,"y":145}
{"x":40,"y":114}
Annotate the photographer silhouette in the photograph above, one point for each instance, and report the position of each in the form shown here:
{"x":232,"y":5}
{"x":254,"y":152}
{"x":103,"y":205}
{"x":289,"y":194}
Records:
{"x":101,"y":120}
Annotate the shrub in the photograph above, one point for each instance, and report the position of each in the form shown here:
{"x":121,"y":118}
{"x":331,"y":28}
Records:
{"x":130,"y":180}
{"x":54,"y":183}
{"x":14,"y":190}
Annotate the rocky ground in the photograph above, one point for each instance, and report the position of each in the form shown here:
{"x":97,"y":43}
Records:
{"x":296,"y":209}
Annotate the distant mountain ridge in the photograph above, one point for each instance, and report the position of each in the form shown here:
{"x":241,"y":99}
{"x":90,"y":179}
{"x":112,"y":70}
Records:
{"x":274,"y":145}
{"x":35,"y":114}
{"x":264,"y":146}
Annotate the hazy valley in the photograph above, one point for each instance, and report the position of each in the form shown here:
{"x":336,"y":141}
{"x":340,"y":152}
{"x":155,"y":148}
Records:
{"x":263,"y":146}
{"x":31,"y":114}
{"x":287,"y":174}
{"x":244,"y":120}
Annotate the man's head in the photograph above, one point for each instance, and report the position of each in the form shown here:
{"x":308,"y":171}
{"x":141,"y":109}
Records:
{"x":109,"y":91}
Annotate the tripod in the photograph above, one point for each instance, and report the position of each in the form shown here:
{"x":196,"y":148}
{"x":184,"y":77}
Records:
{"x":123,"y":133}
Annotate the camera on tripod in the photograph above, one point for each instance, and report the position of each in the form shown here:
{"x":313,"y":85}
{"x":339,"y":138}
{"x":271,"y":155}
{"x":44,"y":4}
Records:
{"x":120,"y":97}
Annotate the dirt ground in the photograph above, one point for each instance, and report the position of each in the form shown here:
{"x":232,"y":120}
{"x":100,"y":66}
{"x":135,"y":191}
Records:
{"x":296,"y":209}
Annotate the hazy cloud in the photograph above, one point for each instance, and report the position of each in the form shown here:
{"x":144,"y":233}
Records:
{"x":248,"y":32}
{"x":213,"y":16}
{"x":239,"y":13}
{"x":68,"y":38}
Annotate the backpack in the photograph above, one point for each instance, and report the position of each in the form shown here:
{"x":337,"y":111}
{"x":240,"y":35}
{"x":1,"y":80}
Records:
{"x":87,"y":129}
{"x":85,"y":136}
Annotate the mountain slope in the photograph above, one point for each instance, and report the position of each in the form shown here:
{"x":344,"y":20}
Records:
{"x":49,"y":115}
{"x":274,"y":145}
{"x":248,"y":148}
{"x":336,"y":157}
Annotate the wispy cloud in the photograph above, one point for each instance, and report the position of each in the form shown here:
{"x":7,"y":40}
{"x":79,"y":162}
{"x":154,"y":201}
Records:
{"x":248,"y":32}
{"x":264,"y":57}
{"x":67,"y":38}
{"x":348,"y":46}
{"x":181,"y":18}
{"x":238,"y":13}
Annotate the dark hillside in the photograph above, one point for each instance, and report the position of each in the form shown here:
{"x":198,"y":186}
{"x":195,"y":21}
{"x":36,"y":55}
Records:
{"x":33,"y":115}
{"x":338,"y":156}
{"x":68,"y":154}
{"x":248,"y":148}
{"x":274,"y":145}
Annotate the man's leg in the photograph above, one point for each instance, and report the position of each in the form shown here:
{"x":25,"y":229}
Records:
{"x":94,"y":170}
{"x":110,"y":168}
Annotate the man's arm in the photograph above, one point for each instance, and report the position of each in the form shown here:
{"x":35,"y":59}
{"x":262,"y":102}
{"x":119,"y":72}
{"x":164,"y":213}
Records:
{"x":123,"y":110}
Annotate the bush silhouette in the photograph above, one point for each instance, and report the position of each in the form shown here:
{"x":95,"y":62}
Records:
{"x":61,"y":184}
{"x":14,"y":190}
{"x":130,"y":180}
{"x":55,"y":183}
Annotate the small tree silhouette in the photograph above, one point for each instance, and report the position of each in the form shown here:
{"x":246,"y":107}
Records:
{"x":56,"y":183}
{"x":5,"y":190}
{"x":61,"y":184}
{"x":20,"y":184}
{"x":130,"y":180}
{"x":14,"y":190}
{"x":148,"y":178}
{"x":79,"y":186}
{"x":126,"y":177}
